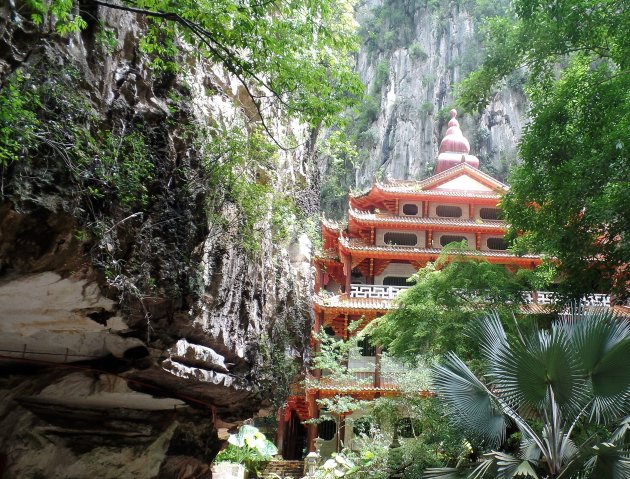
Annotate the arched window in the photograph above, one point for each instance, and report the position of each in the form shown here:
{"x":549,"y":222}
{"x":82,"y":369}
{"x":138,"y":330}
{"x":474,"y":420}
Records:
{"x":401,"y":239}
{"x":446,"y":239}
{"x":410,"y":209}
{"x":327,"y":429}
{"x":496,"y":243}
{"x":445,"y":211}
{"x":395,"y":281}
{"x":490,"y":214}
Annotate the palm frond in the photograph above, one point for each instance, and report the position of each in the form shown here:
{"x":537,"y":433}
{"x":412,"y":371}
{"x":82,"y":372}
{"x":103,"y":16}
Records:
{"x":509,"y":467}
{"x":609,"y":462}
{"x":619,"y":434}
{"x":443,"y":473}
{"x":602,"y":342}
{"x":524,"y":375}
{"x":492,"y":338}
{"x":529,"y":449}
{"x":469,"y":400}
{"x":486,"y":466}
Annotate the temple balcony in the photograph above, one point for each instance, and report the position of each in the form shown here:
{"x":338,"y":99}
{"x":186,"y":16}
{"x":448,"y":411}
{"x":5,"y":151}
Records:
{"x":375,"y":291}
{"x":369,"y":291}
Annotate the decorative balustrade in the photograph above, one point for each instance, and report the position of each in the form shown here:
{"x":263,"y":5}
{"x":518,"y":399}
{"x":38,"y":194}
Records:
{"x":548,"y":297}
{"x":376,"y":291}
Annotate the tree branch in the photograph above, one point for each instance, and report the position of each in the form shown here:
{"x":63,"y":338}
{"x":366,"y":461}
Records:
{"x":220,"y":51}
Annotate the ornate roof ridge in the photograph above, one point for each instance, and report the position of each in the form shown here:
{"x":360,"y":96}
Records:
{"x":354,"y":243}
{"x":423,"y":220}
{"x":331,"y":224}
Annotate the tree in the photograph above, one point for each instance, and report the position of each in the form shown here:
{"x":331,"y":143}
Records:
{"x":551,"y":385}
{"x":432,"y":316}
{"x":292,"y":56}
{"x":567,"y":198}
{"x":423,"y":436}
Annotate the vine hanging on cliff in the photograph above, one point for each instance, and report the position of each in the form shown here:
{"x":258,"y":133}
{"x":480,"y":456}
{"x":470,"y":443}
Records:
{"x":290,"y":56}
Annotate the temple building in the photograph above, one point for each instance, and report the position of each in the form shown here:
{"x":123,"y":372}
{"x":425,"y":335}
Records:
{"x":393,"y":230}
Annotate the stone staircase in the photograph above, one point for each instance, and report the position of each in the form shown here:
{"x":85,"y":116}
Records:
{"x":294,"y":469}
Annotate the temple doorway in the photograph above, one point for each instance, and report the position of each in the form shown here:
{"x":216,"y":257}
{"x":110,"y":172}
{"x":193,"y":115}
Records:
{"x":294,"y":445}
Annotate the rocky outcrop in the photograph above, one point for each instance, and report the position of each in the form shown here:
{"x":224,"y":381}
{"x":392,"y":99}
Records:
{"x":412,"y":56}
{"x":135,"y":330}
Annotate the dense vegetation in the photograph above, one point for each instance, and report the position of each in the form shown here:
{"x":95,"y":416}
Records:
{"x":556,"y":387}
{"x":568,"y":196}
{"x":294,"y":55}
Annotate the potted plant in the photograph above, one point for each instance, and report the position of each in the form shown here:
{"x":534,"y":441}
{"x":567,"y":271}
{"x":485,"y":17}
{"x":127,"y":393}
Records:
{"x":246,"y":454}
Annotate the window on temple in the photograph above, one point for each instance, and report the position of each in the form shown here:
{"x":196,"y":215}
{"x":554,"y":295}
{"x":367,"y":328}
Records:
{"x":327,"y":429}
{"x":395,"y":281}
{"x":446,"y":239}
{"x":490,"y":214}
{"x":497,"y":243}
{"x":400,"y":239}
{"x":357,"y":276}
{"x":445,"y":211}
{"x":410,"y":209}
{"x":366,"y":348}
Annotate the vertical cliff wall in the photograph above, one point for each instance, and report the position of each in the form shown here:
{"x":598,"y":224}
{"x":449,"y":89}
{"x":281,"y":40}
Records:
{"x":153,"y":288}
{"x":412,"y":56}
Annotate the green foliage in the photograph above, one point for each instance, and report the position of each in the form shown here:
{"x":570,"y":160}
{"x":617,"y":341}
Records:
{"x":43,"y":114}
{"x":18,"y":119}
{"x":302,"y":59}
{"x":549,"y":383}
{"x":341,"y":159}
{"x":236,"y":164}
{"x":249,"y":447}
{"x":106,"y":38}
{"x":566,"y":197}
{"x":426,"y":107}
{"x":381,"y":75}
{"x":417,"y":53}
{"x":63,"y":11}
{"x":120,"y":163}
{"x":433,"y":316}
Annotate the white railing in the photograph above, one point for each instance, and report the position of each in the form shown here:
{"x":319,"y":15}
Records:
{"x":548,"y":297}
{"x":375,"y":291}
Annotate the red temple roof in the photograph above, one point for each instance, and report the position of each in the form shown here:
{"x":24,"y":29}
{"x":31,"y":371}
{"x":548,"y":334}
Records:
{"x":363,"y":218}
{"x":356,"y":247}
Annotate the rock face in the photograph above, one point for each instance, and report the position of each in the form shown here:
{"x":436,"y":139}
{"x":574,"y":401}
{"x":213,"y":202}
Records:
{"x":412,"y":56}
{"x":134,"y":332}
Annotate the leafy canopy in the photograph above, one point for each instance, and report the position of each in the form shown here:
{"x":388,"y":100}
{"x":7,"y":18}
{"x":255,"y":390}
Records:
{"x":568,"y":197}
{"x":433,"y":315}
{"x":294,"y":55}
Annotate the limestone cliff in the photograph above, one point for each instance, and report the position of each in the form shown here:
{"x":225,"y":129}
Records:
{"x":142,"y":313}
{"x":412,"y":56}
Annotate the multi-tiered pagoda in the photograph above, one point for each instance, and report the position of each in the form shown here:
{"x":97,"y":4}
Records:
{"x":393,"y":230}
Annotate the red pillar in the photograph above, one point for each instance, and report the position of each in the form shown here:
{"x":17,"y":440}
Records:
{"x":348,"y":270}
{"x":318,"y":277}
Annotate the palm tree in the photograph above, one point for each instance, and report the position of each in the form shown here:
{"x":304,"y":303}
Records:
{"x":574,"y":375}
